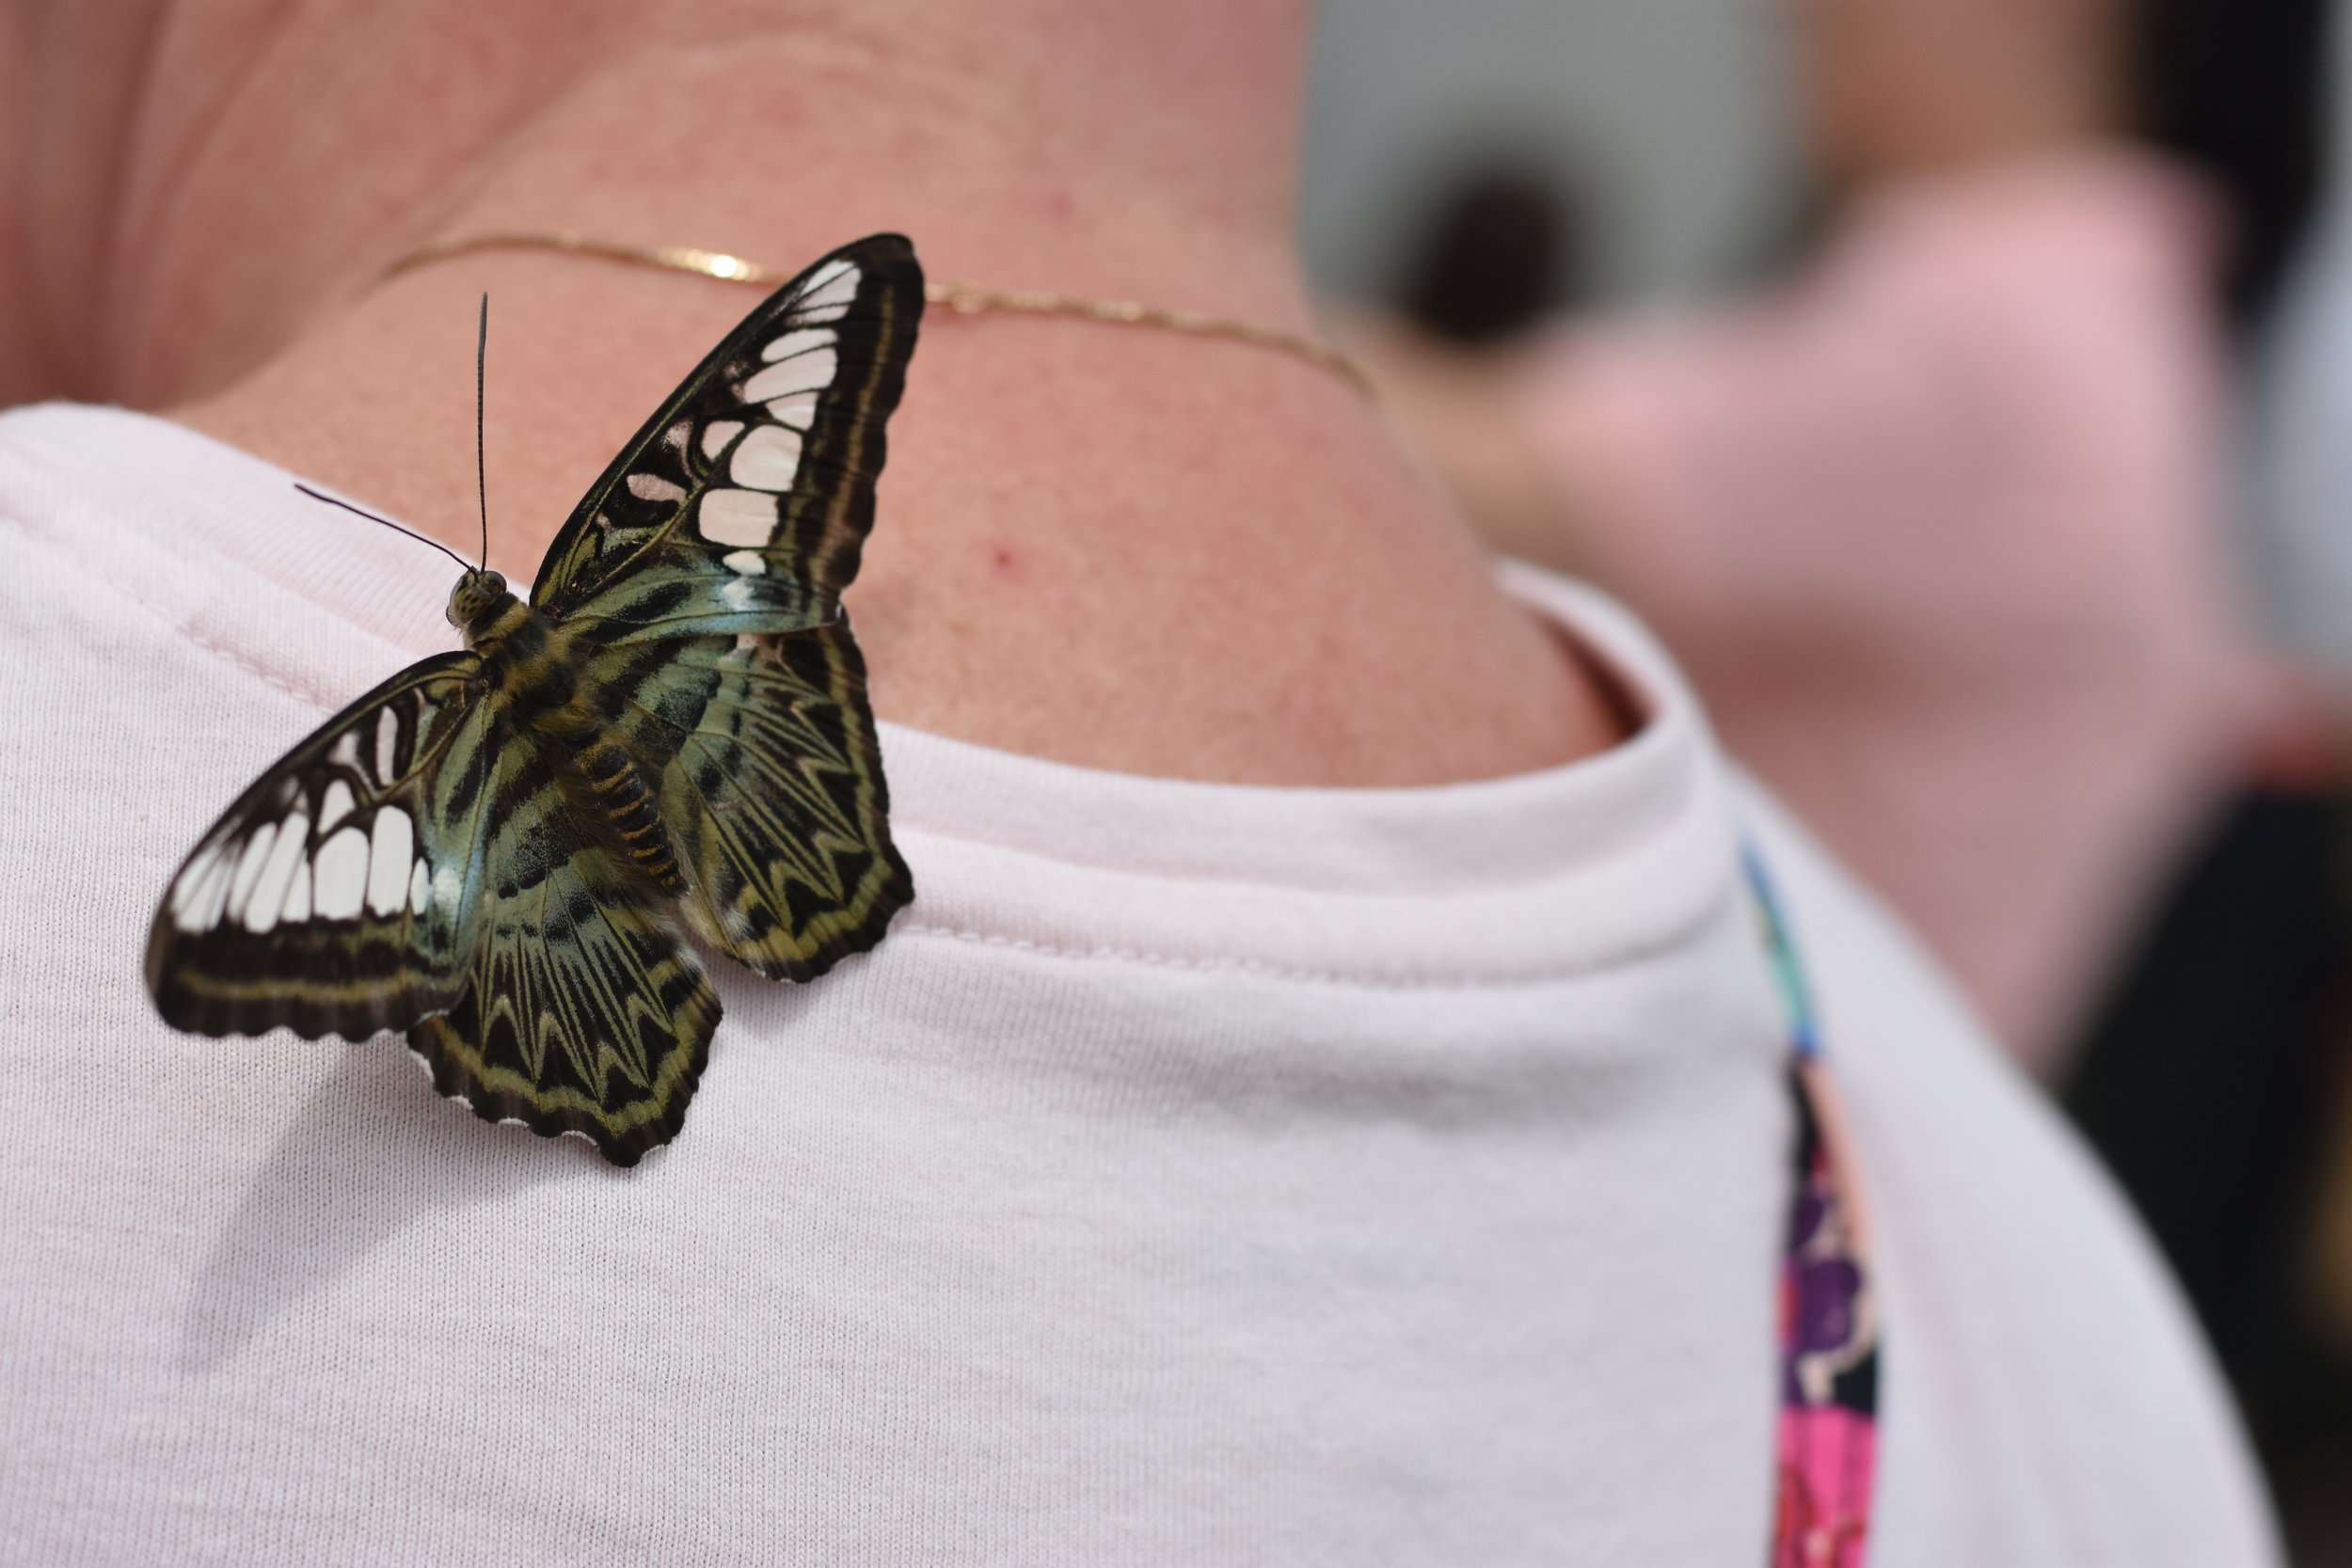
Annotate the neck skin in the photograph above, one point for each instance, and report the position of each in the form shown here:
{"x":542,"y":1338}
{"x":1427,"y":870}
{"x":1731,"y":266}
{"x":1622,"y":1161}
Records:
{"x":1104,"y":545}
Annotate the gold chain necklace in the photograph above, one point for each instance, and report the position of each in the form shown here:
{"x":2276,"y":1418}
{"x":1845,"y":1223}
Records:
{"x":965,"y":299}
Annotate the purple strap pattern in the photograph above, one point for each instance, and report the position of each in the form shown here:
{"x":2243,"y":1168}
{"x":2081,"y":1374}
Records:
{"x":1829,"y":1327}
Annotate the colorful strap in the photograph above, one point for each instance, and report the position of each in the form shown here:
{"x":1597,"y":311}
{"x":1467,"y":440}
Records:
{"x":1828,"y":1326}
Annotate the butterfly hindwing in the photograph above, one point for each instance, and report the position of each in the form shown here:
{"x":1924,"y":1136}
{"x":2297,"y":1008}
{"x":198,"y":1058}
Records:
{"x":744,"y":505}
{"x":586,"y":1012}
{"x":772,"y":786}
{"x":336,"y":895}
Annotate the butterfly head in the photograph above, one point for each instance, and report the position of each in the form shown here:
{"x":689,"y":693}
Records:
{"x":477,"y":598}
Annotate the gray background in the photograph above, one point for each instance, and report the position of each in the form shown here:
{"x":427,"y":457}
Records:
{"x":1665,"y":122}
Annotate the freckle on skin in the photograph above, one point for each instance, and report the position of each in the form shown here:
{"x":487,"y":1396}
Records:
{"x":1047,"y":202}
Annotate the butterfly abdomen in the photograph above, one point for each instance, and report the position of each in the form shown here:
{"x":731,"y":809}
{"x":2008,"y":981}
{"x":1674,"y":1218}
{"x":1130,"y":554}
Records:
{"x":619,"y":791}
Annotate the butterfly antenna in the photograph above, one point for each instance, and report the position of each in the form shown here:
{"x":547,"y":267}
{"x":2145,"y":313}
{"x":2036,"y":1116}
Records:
{"x":480,"y":463}
{"x":318,"y":496}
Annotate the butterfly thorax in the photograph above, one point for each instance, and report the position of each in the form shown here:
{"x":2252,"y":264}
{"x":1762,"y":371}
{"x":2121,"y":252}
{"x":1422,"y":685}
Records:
{"x":526,"y":657}
{"x":531,"y":668}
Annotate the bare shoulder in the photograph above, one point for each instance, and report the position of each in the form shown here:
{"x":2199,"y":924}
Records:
{"x":1194,"y":561}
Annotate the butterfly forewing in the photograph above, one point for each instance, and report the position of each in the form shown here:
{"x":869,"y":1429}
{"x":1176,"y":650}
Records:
{"x":336,"y":895}
{"x":743,"y":506}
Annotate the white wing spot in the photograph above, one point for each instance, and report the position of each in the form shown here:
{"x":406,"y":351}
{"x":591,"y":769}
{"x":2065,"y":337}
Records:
{"x":202,"y":888}
{"x":447,"y":885}
{"x":769,"y":459}
{"x":420,"y":888}
{"x":345,"y":749}
{"x":653,"y":487}
{"x":803,"y":341}
{"x":716,"y":434}
{"x":387,"y":863}
{"x":215,"y":897}
{"x":206,"y":914}
{"x":387,"y":745}
{"x":797,"y":412}
{"x":192,"y":878}
{"x":336,"y":806}
{"x":811,"y":371}
{"x":750,"y":562}
{"x":739,"y":517}
{"x":249,"y":865}
{"x":738,"y":594}
{"x":338,"y":876}
{"x":825,"y":282}
{"x":830,"y":293}
{"x":268,"y":899}
{"x":297,"y":895}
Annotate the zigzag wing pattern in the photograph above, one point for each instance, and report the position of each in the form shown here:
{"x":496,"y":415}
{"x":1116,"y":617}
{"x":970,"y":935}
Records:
{"x":743,"y":506}
{"x":586,"y":1012}
{"x":335,"y":897}
{"x":771,"y":786}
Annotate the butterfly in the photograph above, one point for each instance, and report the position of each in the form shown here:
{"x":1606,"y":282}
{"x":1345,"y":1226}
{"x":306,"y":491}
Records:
{"x":502,"y":849}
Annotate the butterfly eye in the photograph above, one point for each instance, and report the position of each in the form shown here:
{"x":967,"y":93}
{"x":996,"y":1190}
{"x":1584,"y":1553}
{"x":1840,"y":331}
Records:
{"x":475,"y":592}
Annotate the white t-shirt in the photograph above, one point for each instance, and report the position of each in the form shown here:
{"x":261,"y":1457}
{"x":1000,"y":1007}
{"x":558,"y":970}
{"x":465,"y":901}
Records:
{"x":1196,"y":1175}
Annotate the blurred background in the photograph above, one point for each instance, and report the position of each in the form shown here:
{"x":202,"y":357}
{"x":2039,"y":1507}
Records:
{"x":1962,"y":389}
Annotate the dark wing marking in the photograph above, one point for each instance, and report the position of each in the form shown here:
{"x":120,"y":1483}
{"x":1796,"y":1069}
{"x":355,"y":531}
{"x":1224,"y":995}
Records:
{"x":772,"y":788}
{"x":742,"y":505}
{"x":586,"y":1012}
{"x":335,"y":896}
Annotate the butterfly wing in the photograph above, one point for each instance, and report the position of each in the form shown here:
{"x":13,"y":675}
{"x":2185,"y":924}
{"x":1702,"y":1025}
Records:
{"x":739,"y":510}
{"x":739,"y":513}
{"x":741,"y":507}
{"x":771,"y":789}
{"x":335,"y":897}
{"x":587,"y":1013}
